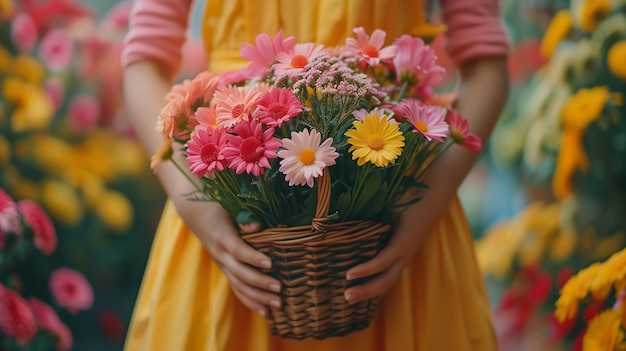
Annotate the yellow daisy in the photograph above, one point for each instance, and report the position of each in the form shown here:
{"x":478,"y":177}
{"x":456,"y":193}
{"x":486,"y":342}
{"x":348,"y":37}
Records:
{"x":571,"y":157}
{"x":558,"y":29}
{"x":593,"y":11}
{"x":604,"y":333}
{"x":586,"y":106}
{"x":576,"y":289}
{"x":616,"y":57}
{"x":375,"y":139}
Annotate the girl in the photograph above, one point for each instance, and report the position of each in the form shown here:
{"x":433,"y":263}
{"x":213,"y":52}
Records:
{"x":199,"y":291}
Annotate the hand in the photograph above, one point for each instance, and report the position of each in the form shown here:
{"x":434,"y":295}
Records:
{"x":215,"y":230}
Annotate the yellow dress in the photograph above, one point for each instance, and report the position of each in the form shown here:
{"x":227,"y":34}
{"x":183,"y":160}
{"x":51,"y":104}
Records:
{"x":185,"y":302}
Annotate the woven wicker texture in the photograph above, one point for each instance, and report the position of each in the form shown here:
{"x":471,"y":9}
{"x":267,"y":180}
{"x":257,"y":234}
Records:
{"x":311,"y":262}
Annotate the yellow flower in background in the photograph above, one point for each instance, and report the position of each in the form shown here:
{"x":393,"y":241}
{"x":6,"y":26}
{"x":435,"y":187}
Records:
{"x":585,"y":107}
{"x":33,"y":108}
{"x":616,"y":59}
{"x":576,"y":289}
{"x":19,"y":186}
{"x":163,"y":154}
{"x":94,"y":154}
{"x":5,"y":152}
{"x":5,"y":59}
{"x":604,"y":333}
{"x":571,"y":157}
{"x":427,"y":31}
{"x":6,"y":8}
{"x":610,"y":273}
{"x":605,"y":246}
{"x":47,"y":151}
{"x":29,"y":68}
{"x":559,"y":28}
{"x":563,"y":246}
{"x":61,"y":201}
{"x":590,"y":12}
{"x":128,"y":157}
{"x":115,"y":210}
{"x":90,"y":185}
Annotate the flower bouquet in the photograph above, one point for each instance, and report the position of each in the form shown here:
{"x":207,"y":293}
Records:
{"x":322,"y":146}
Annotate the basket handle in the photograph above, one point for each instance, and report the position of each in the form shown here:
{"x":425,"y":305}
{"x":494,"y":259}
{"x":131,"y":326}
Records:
{"x":321,"y":220}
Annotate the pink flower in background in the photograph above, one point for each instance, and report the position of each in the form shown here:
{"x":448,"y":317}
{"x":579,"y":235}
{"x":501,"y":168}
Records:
{"x":24,"y":32}
{"x":9,"y":214}
{"x":119,"y":15}
{"x":251,"y":149}
{"x":16,"y":317}
{"x":57,"y":49}
{"x":174,"y":122}
{"x":371,"y":48}
{"x":205,"y":152}
{"x":37,"y":220}
{"x":428,"y":120}
{"x":304,"y":158}
{"x":459,"y":131}
{"x":263,"y":54}
{"x":199,"y":91}
{"x":48,"y":320}
{"x":278,"y":106}
{"x":379,"y":111}
{"x":83,"y":113}
{"x":56,"y":91}
{"x":71,"y":289}
{"x":235,"y":104}
{"x":207,"y":116}
{"x":416,"y":61}
{"x":293,"y":62}
{"x":231,"y":77}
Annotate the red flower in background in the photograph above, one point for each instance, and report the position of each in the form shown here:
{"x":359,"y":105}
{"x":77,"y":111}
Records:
{"x":83,"y":113}
{"x":46,"y":13}
{"x":9,"y":214}
{"x":16,"y":317}
{"x":48,"y":320}
{"x":111,"y":325}
{"x":37,"y":220}
{"x":57,"y":49}
{"x":24,"y":32}
{"x":71,"y":289}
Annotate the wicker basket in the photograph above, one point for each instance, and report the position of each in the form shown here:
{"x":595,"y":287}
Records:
{"x":311,"y":262}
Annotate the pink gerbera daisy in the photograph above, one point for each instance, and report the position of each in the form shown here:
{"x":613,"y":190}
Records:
{"x":262,"y":55}
{"x":200,"y":90}
{"x":304,"y":158}
{"x":235,"y":104}
{"x":251,"y":149}
{"x":371,"y":48}
{"x":9,"y":214}
{"x":57,"y":49}
{"x":378,"y":111}
{"x":207,"y":116}
{"x":293,"y":62}
{"x":460,"y":133}
{"x":71,"y":289}
{"x":175,"y":122}
{"x":44,"y":234}
{"x":205,"y":151}
{"x":428,"y":120}
{"x":278,"y":106}
{"x":416,"y":62}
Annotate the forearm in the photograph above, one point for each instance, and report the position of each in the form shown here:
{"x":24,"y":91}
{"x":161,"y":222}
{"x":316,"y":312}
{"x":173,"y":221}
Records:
{"x":482,"y":96}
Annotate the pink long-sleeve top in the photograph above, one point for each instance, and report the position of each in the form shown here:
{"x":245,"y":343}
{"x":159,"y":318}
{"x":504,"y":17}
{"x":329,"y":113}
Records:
{"x":158,"y":30}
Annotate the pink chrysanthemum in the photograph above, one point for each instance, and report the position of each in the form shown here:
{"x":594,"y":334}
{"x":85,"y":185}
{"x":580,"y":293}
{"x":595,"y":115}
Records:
{"x":205,"y":152}
{"x":83,"y":113}
{"x":57,"y":49}
{"x":378,"y":111}
{"x":278,"y":106}
{"x":416,"y":62}
{"x":9,"y":214}
{"x":263,"y":54}
{"x":235,"y":104}
{"x":371,"y":48}
{"x":44,"y":234}
{"x":48,"y":320}
{"x":71,"y":289}
{"x":427,"y":120}
{"x":460,"y":133}
{"x":304,"y":158}
{"x":251,"y":149}
{"x":24,"y":32}
{"x":16,"y":318}
{"x":293,"y":62}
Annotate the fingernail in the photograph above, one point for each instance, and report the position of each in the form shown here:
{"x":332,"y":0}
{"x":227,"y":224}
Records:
{"x":275,"y":287}
{"x":275,"y":303}
{"x":261,"y":312}
{"x":350,"y":276}
{"x":266,"y":264}
{"x":349,"y":297}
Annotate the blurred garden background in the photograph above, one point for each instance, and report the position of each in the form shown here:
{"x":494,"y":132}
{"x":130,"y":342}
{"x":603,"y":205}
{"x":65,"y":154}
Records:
{"x":79,"y":204}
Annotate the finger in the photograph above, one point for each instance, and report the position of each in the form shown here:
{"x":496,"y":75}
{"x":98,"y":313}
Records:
{"x":378,"y":286}
{"x":254,"y":306}
{"x":251,"y":227}
{"x":381,"y":262}
{"x":242,"y":252}
{"x":256,"y":296}
{"x":249,"y":275}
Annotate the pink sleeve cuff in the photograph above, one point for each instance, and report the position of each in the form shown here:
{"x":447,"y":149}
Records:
{"x":157,"y":33}
{"x":474,"y":29}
